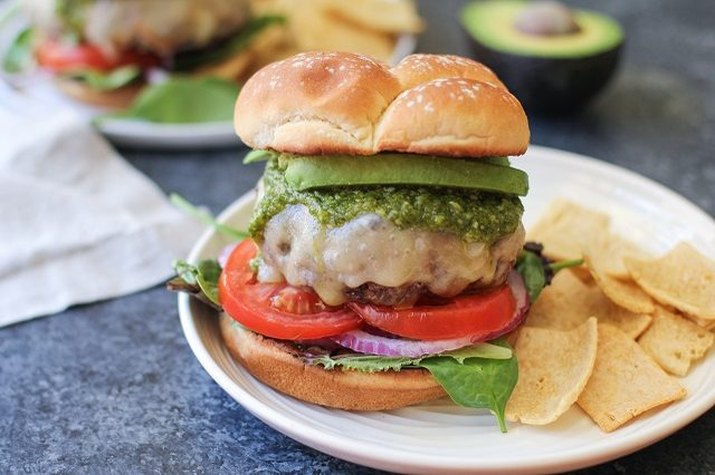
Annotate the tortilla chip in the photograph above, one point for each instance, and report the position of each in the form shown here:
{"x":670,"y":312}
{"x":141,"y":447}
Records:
{"x":554,"y":367}
{"x":394,"y":16}
{"x":683,"y":278}
{"x":568,"y":302}
{"x":701,"y":322}
{"x":625,"y":382}
{"x":323,"y":30}
{"x":555,"y":306}
{"x":624,"y":293}
{"x":610,"y":250}
{"x":674,"y":342}
{"x":563,"y":228}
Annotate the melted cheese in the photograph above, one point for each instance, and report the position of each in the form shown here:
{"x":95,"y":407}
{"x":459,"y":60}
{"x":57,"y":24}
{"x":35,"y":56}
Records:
{"x":299,"y":250}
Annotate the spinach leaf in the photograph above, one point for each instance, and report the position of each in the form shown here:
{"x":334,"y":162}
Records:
{"x":537,"y":271}
{"x":374,"y":363}
{"x":477,"y":382}
{"x":107,"y":81}
{"x":193,"y":59}
{"x":200,"y":280}
{"x":206,"y":218}
{"x":18,"y":56}
{"x":531,"y":268}
{"x":182,"y":100}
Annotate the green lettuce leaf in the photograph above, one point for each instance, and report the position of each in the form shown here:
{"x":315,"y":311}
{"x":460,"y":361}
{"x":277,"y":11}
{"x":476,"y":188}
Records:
{"x":183,"y":100}
{"x":493,"y":351}
{"x":364,"y":363}
{"x":200,"y":280}
{"x":530,"y":266}
{"x":537,"y":271}
{"x":374,"y":363}
{"x":480,"y":376}
{"x":477,"y":382}
{"x":18,"y":56}
{"x":106,"y":81}
{"x":206,"y":217}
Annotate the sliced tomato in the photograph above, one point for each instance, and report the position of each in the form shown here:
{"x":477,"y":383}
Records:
{"x":475,"y":315}
{"x":60,"y":57}
{"x":277,"y":310}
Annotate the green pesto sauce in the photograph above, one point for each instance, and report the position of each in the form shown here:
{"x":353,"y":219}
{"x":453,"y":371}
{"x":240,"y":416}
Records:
{"x":475,"y":216}
{"x":73,"y":13}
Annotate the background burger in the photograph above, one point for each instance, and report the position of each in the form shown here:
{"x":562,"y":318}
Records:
{"x":382,"y":244}
{"x":101,"y":50}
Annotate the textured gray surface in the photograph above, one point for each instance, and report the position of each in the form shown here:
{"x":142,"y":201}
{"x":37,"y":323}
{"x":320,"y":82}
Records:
{"x":113,"y":386}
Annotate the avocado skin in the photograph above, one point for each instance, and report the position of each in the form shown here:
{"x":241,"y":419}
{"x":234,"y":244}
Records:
{"x":551,"y":86}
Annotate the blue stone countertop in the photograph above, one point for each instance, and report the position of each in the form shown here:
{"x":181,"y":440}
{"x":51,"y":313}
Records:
{"x":113,"y":387}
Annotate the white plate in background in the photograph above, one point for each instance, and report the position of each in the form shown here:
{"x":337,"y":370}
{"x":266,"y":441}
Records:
{"x":441,"y":437}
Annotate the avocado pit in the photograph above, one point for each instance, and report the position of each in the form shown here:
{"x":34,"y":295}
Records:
{"x":546,"y":18}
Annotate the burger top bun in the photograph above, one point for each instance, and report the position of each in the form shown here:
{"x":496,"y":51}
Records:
{"x":345,"y":103}
{"x":417,"y":69}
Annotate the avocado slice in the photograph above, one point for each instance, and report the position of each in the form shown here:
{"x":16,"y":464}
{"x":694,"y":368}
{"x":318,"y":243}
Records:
{"x":313,"y":172}
{"x":550,"y":73}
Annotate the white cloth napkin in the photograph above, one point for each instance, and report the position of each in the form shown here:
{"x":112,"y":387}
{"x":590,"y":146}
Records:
{"x":77,"y":222}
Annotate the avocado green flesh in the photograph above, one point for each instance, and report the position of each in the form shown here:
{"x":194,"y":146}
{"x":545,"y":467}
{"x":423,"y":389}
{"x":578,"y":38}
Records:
{"x":473,"y":215}
{"x":306,"y":172}
{"x":491,"y":23}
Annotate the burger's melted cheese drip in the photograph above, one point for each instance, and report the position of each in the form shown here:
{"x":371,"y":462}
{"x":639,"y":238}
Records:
{"x":299,"y":250}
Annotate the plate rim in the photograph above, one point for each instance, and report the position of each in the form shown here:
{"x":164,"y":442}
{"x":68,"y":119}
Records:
{"x":364,"y":453}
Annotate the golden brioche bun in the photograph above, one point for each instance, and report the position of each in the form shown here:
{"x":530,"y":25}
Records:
{"x":330,"y":103}
{"x":120,"y":98}
{"x":268,"y":360}
{"x":418,"y":69}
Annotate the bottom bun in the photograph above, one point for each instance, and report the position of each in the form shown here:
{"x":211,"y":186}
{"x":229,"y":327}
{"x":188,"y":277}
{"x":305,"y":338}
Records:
{"x":269,"y":361}
{"x":120,"y":98}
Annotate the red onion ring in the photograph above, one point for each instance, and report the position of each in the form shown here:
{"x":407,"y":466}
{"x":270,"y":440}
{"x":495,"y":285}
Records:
{"x":225,"y":252}
{"x":521,"y":299}
{"x":364,"y":342}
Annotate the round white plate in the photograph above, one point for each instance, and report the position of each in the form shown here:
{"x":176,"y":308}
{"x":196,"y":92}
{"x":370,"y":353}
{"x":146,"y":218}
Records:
{"x":441,"y":437}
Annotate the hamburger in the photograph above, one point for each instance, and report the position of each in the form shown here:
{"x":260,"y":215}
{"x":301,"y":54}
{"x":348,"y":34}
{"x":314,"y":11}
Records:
{"x":101,"y":51}
{"x":379,"y":271}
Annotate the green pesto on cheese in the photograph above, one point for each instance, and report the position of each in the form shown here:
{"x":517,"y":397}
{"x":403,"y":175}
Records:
{"x":475,"y":216}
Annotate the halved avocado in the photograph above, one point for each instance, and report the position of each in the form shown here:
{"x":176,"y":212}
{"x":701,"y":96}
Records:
{"x":548,"y":71}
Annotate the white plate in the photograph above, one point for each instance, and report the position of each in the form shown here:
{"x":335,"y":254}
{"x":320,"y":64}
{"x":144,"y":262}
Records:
{"x":441,"y":437}
{"x":136,"y":133}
